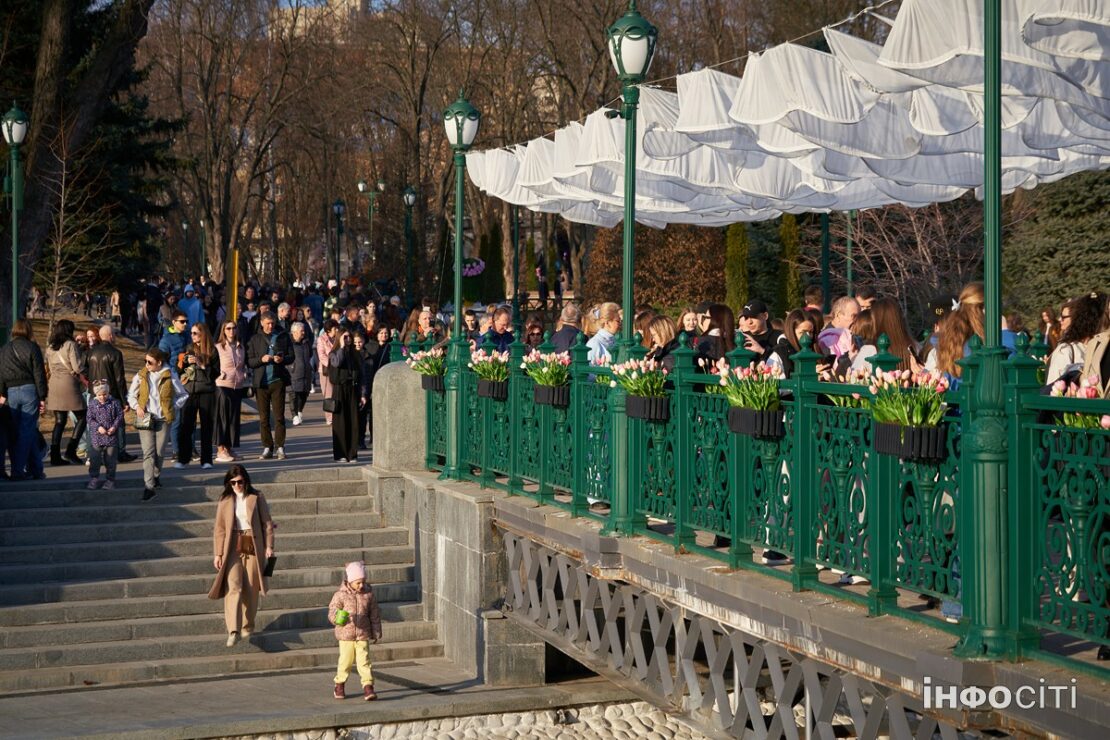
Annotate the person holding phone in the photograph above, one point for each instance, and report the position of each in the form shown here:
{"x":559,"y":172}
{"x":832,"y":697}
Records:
{"x":758,"y":336}
{"x":269,"y":354}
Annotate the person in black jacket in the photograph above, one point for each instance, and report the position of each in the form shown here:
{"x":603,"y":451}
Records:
{"x":569,"y":320}
{"x":105,"y":362}
{"x":758,"y":336}
{"x":348,"y":390}
{"x":23,"y":391}
{"x":718,"y":339}
{"x":301,"y":381}
{"x":199,"y":368}
{"x":268,"y":355}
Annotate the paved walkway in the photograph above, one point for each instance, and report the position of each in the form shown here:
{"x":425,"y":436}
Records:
{"x":407,"y":691}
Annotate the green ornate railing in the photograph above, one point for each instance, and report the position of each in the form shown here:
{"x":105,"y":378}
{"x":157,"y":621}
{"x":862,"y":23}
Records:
{"x":819,"y":506}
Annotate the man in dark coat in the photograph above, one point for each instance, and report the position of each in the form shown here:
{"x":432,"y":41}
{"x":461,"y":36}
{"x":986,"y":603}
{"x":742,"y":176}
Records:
{"x":269,"y":354}
{"x":106,"y":363}
{"x":568,"y":332}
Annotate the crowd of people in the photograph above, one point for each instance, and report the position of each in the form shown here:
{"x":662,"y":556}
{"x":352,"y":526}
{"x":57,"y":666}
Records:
{"x":282,"y":345}
{"x":199,"y":366}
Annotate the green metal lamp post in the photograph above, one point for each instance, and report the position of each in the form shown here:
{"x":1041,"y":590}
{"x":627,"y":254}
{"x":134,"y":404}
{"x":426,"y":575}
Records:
{"x":409,"y":197}
{"x":203,"y":247}
{"x":339,"y":208}
{"x":185,"y":239}
{"x":15,"y":125}
{"x":515,"y":232}
{"x":631,"y":42}
{"x":985,"y":550}
{"x":372,"y":194}
{"x":461,"y":121}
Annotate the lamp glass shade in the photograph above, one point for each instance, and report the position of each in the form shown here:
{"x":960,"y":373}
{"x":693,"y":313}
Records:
{"x":362,"y":186}
{"x":631,"y":45}
{"x":339,"y":207}
{"x":410,"y":197}
{"x":14,"y":126}
{"x":461,"y":121}
{"x":381,"y":185}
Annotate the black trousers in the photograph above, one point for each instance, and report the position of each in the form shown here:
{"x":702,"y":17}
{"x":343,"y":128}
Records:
{"x":271,"y":405}
{"x":344,"y":425}
{"x":60,"y":420}
{"x":204,"y":405}
{"x":229,"y":402}
{"x":299,"y":400}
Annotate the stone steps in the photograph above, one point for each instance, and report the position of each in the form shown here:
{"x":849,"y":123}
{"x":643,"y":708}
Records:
{"x":182,"y":545}
{"x":32,"y":635}
{"x":112,"y":569}
{"x":236,"y":661}
{"x":97,"y":588}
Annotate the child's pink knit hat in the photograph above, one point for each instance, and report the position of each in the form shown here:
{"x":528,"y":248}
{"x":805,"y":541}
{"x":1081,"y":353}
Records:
{"x":356,"y":571}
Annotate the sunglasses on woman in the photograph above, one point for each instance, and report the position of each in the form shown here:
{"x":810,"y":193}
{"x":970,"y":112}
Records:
{"x":238,"y":482}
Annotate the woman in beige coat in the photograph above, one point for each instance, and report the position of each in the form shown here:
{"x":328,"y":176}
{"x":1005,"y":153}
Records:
{"x":242,"y":541}
{"x":65,"y":369}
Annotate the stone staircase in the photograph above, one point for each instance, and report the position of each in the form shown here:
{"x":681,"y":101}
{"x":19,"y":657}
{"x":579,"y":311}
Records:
{"x":97,"y":588}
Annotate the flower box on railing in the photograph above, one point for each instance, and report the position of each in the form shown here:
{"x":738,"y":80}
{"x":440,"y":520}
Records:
{"x":552,"y":395}
{"x":758,"y":423}
{"x":432,"y":383}
{"x":649,"y":408}
{"x":916,"y":444}
{"x":498,"y":390}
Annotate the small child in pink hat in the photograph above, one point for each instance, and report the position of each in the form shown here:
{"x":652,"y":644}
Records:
{"x":354,"y":612}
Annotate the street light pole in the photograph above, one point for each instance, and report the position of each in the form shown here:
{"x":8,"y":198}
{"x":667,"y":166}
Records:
{"x":410,"y":201}
{"x":185,"y":238}
{"x":515,"y":231}
{"x":203,"y":248}
{"x":338,"y":208}
{"x":461,"y":121}
{"x":15,"y":129}
{"x":631,"y":46}
{"x":372,"y":194}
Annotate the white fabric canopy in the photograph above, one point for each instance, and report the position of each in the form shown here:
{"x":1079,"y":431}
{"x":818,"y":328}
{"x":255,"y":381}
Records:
{"x":860,"y":127}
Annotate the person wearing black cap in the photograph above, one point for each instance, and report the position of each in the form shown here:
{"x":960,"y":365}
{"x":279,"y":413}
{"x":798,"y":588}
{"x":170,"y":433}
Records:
{"x":758,"y":336}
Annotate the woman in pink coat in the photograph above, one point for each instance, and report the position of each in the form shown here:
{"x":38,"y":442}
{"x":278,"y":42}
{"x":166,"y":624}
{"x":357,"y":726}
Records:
{"x":229,"y":390}
{"x":325,"y":344}
{"x":242,"y":541}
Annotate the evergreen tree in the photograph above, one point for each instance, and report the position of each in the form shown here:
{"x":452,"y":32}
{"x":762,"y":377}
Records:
{"x":1062,"y":249}
{"x":736,"y":266}
{"x":790,"y":280}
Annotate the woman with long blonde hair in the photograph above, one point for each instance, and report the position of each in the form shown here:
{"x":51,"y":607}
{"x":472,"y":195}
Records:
{"x":958,"y":327}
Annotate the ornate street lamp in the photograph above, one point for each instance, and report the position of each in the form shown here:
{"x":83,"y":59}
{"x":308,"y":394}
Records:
{"x":203,"y":247}
{"x":372,"y":194}
{"x":339,"y":208}
{"x":15,"y":125}
{"x":631,"y":47}
{"x":461,"y":121}
{"x":409,"y":196}
{"x":185,"y":238}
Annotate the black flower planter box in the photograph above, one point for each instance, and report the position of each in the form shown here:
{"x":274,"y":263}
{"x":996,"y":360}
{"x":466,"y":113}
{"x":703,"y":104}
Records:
{"x":498,"y":390}
{"x":756,"y":423}
{"x":651,"y":408}
{"x":923,"y":444}
{"x":432,"y":383}
{"x":552,"y":395}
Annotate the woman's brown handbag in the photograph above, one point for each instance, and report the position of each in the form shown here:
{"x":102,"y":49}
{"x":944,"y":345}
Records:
{"x":245,"y":544}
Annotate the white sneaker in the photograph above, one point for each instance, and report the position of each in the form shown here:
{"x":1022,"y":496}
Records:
{"x":206,"y":466}
{"x":224,"y":459}
{"x":280,"y":453}
{"x":267,"y":453}
{"x":232,"y":638}
{"x":179,"y":465}
{"x":296,"y":420}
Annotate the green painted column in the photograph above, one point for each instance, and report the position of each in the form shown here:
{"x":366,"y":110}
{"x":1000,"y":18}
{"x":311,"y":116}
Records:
{"x":984,"y":534}
{"x":621,"y":517}
{"x":17,"y":206}
{"x":408,"y":257}
{"x":457,"y":347}
{"x":826,"y":287}
{"x":849,"y":266}
{"x":514,"y":217}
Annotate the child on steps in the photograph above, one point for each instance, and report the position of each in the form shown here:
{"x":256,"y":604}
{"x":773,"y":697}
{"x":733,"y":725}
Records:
{"x":354,"y":612}
{"x":104,"y":417}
